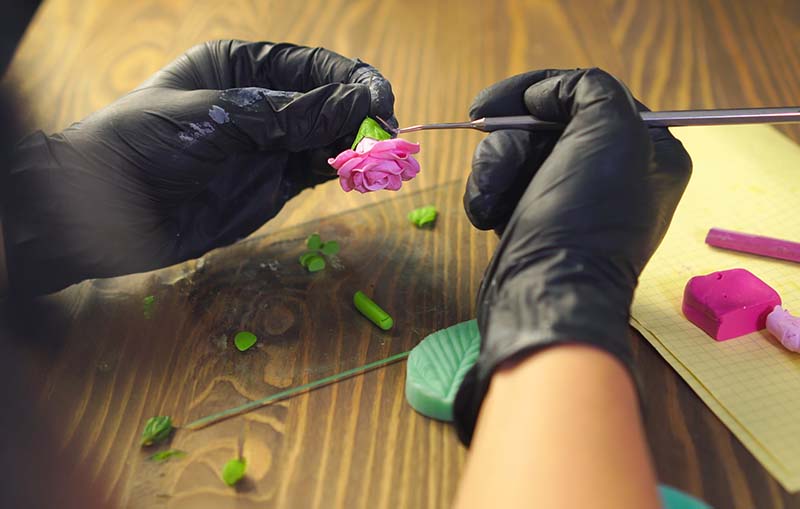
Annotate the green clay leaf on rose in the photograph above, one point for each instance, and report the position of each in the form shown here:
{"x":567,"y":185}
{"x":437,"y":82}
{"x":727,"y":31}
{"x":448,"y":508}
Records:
{"x":370,"y":129}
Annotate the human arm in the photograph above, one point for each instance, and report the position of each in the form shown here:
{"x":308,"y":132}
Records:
{"x":580,"y":212}
{"x":198,"y":157}
{"x":580,"y":443}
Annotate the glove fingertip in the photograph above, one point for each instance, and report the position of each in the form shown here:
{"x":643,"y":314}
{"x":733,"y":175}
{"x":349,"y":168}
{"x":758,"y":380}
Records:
{"x":478,"y":208}
{"x":476,"y":109}
{"x":568,"y":95}
{"x":502,"y":167}
{"x":381,"y":93}
{"x":382,"y":97}
{"x":506,"y":97}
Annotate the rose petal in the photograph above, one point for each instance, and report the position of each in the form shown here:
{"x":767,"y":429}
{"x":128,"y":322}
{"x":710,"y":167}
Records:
{"x":351,"y":165}
{"x":376,"y":165}
{"x":376,"y":180}
{"x":366,"y":145}
{"x":376,"y":186}
{"x":395,"y":146}
{"x":346,"y":184}
{"x":342,"y":158}
{"x":410,"y":168}
{"x":395,"y":183}
{"x":383,"y":166}
{"x":358,"y":182}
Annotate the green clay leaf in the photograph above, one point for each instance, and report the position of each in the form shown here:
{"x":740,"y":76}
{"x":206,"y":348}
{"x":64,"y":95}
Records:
{"x":147,"y":304}
{"x":370,"y":129}
{"x":244,"y":340}
{"x":156,"y":429}
{"x":423,"y":216}
{"x":163,"y":456}
{"x":233,"y":471}
{"x":330,"y":248}
{"x":437,"y":366}
{"x":315,"y":264}
{"x":313,"y":241}
{"x":305,"y":257}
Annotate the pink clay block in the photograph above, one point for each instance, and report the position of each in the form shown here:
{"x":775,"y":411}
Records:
{"x":785,"y":327}
{"x":729,"y":303}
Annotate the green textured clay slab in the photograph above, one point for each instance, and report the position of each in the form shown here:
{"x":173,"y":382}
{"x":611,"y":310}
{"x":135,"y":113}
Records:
{"x":436,"y":367}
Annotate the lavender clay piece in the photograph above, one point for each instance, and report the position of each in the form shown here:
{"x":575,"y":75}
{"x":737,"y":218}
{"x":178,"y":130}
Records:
{"x":785,"y":327}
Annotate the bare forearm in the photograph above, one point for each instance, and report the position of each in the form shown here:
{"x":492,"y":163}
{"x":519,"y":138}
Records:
{"x":560,"y":429}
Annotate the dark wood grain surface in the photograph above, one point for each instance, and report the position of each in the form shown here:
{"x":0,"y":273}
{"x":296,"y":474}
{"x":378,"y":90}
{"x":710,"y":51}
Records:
{"x":104,"y":368}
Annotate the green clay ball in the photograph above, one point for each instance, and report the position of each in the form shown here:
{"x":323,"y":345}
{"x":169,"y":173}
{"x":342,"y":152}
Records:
{"x":233,"y":471}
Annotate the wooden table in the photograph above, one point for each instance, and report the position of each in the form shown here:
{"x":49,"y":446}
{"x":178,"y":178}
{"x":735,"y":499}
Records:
{"x":357,"y":443}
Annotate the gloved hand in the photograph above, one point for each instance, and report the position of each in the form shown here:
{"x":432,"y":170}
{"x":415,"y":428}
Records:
{"x":197,"y":157}
{"x":580,"y":212}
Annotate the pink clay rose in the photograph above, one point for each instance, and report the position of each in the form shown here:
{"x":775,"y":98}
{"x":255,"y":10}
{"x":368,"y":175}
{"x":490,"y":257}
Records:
{"x":376,"y":165}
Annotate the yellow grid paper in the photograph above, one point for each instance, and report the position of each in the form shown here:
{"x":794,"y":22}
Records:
{"x":746,"y":178}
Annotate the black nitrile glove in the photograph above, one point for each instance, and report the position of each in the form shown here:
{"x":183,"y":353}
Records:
{"x":199,"y":156}
{"x":581,"y":213}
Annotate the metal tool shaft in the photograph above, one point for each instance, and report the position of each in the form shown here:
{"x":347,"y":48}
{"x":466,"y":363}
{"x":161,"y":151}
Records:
{"x":651,"y":118}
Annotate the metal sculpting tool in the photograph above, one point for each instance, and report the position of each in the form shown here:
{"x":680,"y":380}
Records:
{"x":651,"y":118}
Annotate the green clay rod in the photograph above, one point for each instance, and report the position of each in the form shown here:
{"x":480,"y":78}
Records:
{"x":288,"y":393}
{"x":368,"y":308}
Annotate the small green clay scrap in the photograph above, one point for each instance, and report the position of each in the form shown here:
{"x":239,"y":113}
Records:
{"x":372,"y":311}
{"x":315,"y":264}
{"x":314,"y":241}
{"x":147,"y":305}
{"x":423,"y":216}
{"x":314,"y":259}
{"x":306,"y":257}
{"x":233,"y":471}
{"x":156,"y":429}
{"x":244,"y":340}
{"x":162,"y":456}
{"x":330,"y":248}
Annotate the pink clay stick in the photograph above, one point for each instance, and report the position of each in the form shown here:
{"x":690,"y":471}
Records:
{"x":754,"y":244}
